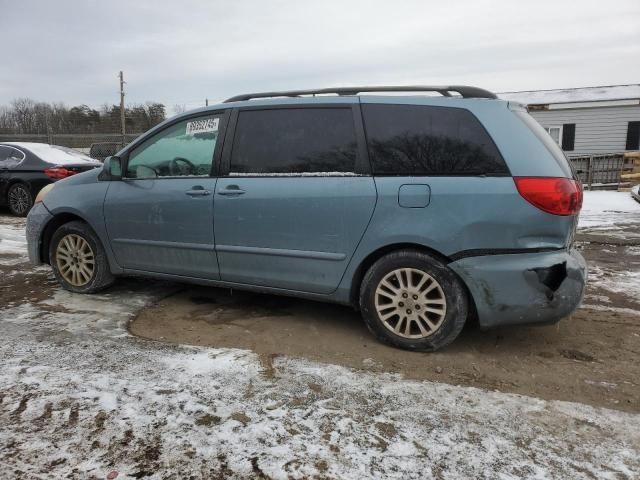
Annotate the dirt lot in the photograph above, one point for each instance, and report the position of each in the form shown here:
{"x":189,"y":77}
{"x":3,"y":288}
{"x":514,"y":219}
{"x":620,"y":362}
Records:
{"x":592,"y":357}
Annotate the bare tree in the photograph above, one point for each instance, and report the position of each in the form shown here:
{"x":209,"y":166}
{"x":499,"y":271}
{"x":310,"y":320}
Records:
{"x":6,"y":120}
{"x":178,"y":109}
{"x":23,"y":110}
{"x":25,"y":116}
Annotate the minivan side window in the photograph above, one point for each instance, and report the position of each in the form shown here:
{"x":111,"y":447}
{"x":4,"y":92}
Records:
{"x":429,"y":140}
{"x":184,"y":149}
{"x":294,"y":141}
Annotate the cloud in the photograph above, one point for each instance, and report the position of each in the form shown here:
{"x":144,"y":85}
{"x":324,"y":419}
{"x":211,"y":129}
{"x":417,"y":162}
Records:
{"x":182,"y":52}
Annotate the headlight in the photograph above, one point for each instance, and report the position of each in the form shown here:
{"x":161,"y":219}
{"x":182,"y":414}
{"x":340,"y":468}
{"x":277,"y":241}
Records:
{"x":43,"y":193}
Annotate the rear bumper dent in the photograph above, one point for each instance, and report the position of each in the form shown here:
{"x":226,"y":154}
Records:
{"x":524,"y":288}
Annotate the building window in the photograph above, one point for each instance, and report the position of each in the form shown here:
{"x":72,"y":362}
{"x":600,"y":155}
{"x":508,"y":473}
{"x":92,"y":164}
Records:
{"x":568,"y":136}
{"x":633,"y":136}
{"x":555,"y":133}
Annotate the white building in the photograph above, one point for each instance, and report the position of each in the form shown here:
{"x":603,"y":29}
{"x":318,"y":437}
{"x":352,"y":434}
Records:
{"x":587,"y":120}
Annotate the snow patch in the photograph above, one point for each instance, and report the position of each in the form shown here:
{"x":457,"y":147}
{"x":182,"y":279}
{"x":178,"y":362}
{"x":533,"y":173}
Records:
{"x":567,"y":95}
{"x":627,"y":283}
{"x":215,"y":407}
{"x":604,"y":209}
{"x":608,"y":308}
{"x":12,"y":240}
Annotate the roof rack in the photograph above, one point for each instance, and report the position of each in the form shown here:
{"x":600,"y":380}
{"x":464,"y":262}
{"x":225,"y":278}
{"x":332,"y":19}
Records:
{"x":445,"y":90}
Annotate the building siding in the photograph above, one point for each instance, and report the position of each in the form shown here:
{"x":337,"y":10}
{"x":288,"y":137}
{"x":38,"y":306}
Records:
{"x":598,"y":130}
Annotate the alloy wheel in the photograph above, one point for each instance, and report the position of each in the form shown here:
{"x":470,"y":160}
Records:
{"x":410,"y":303}
{"x":75,"y":260}
{"x":19,"y":200}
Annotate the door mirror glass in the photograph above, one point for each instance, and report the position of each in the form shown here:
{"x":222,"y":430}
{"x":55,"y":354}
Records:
{"x":113,"y":167}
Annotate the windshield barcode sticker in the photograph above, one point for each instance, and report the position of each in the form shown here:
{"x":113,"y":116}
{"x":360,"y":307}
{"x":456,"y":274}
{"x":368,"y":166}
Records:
{"x":202,"y":126}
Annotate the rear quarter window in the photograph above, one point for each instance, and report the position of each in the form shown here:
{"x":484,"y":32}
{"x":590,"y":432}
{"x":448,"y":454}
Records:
{"x":429,"y":140}
{"x":542,"y":135}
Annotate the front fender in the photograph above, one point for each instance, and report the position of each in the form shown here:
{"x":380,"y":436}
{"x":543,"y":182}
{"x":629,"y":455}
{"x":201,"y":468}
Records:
{"x":84,"y":201}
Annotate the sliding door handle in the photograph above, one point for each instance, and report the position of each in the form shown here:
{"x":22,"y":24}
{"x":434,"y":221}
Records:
{"x":198,"y":191}
{"x":231,"y":190}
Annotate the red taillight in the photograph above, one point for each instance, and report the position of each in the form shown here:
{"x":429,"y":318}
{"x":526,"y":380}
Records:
{"x":558,"y":196}
{"x":57,"y":173}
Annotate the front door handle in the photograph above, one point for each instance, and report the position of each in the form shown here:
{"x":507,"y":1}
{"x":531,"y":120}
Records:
{"x":231,"y":190}
{"x":198,"y":191}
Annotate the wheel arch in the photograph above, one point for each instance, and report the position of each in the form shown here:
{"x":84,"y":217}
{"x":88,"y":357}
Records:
{"x":56,"y":222}
{"x":13,"y":181}
{"x":373,"y":257}
{"x":27,"y":183}
{"x":369,"y":260}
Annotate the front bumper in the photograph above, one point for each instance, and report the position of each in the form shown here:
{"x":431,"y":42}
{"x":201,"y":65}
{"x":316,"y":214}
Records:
{"x":37,"y":220}
{"x":524,"y":288}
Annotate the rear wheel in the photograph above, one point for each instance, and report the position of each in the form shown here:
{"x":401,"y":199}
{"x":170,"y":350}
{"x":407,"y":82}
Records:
{"x":412,"y":300}
{"x":78,"y":259}
{"x":19,"y":199}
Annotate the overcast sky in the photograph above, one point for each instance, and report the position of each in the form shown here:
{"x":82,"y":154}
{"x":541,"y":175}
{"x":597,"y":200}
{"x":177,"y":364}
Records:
{"x":180,"y":52}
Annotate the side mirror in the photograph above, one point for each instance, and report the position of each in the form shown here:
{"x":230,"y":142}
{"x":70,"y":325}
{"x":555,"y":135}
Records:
{"x":112,"y":169}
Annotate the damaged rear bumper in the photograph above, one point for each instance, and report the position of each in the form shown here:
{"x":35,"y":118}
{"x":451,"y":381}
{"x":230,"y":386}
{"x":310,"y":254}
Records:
{"x":524,"y":288}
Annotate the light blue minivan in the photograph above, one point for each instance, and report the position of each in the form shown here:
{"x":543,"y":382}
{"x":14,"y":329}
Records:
{"x":422,"y":210}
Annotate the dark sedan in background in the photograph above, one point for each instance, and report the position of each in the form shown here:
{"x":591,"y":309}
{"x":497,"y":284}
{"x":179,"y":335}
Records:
{"x":25,"y":168}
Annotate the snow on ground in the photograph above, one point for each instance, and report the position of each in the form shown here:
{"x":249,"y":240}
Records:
{"x":87,"y":401}
{"x":12,"y":240}
{"x":630,"y":312}
{"x":626,"y":282}
{"x":605,"y":209}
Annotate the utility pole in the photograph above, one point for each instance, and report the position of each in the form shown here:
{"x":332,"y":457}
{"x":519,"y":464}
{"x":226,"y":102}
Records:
{"x":122,"y":119}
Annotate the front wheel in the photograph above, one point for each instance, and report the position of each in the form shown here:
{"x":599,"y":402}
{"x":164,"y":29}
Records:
{"x":411,"y":300}
{"x":78,"y":259}
{"x":19,"y":199}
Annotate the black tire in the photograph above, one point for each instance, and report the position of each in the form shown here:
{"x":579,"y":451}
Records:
{"x":452,"y":288}
{"x":19,"y":199}
{"x":101,"y":276}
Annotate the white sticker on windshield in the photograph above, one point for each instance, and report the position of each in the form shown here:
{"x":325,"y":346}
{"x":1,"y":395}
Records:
{"x":202,"y":126}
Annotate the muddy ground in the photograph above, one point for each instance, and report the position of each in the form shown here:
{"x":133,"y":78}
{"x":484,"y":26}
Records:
{"x":592,"y":357}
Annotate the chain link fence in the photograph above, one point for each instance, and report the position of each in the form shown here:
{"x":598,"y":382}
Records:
{"x":97,"y":145}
